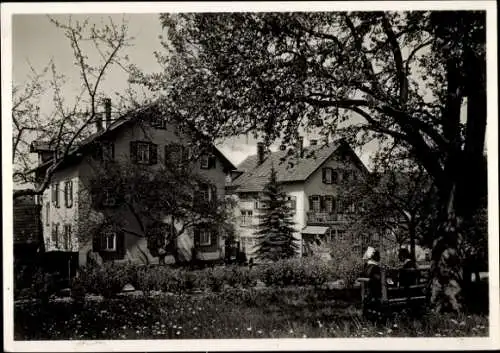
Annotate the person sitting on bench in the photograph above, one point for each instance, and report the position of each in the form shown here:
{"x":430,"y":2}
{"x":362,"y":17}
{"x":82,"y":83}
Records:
{"x":407,"y":273}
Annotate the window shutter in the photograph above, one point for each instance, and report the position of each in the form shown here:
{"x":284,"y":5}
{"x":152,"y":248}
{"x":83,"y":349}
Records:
{"x":96,"y":242}
{"x":214,"y":239}
{"x":333,"y":204}
{"x":196,"y":236}
{"x":133,"y":151}
{"x":213,"y":190}
{"x":322,"y":202}
{"x":185,"y":154}
{"x":97,"y":197}
{"x":153,"y":153}
{"x":211,"y":161}
{"x":311,"y":203}
{"x":120,"y":245}
{"x":324,"y":175}
{"x":167,"y":155}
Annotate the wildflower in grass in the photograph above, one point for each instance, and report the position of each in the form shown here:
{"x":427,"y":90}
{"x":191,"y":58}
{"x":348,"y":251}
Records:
{"x":249,"y":329}
{"x":259,"y":332}
{"x":291,"y":331}
{"x":304,"y":336}
{"x":178,"y":333}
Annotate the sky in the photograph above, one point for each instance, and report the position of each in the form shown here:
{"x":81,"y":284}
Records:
{"x":36,"y":41}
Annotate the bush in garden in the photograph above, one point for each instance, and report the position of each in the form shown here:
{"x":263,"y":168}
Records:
{"x":44,"y":285}
{"x":347,"y":260}
{"x":297,"y":272}
{"x":109,"y":279}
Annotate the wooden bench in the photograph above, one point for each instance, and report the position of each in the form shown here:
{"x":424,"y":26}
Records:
{"x":393,"y":294}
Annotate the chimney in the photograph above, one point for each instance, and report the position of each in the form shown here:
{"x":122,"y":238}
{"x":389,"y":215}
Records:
{"x":260,"y":152}
{"x":107,"y":111}
{"x":314,"y":142}
{"x":98,"y":121}
{"x":300,"y":147}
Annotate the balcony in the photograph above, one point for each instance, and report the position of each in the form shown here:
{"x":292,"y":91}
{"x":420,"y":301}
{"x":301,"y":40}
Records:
{"x":326,"y":218}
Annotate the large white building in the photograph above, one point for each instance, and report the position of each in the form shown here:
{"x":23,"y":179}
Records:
{"x":312,"y":178}
{"x":68,"y":206}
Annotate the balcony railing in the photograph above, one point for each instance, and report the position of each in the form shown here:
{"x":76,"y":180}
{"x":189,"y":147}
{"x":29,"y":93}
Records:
{"x":326,"y":218}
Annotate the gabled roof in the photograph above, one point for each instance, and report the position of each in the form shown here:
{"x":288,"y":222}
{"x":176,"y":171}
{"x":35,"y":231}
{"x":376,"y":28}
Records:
{"x":289,"y":168}
{"x":119,"y":123}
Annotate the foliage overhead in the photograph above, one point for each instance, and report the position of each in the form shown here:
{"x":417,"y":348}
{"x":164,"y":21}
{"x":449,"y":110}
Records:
{"x":397,"y":77}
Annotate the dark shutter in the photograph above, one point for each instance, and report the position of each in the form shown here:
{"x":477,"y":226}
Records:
{"x":311,"y":203}
{"x":153,"y":153}
{"x":167,"y":154}
{"x":333,"y":204}
{"x":322,"y":205}
{"x":133,"y":151}
{"x":211,"y":162}
{"x":213,"y":190}
{"x":324,"y":175}
{"x":120,"y":245}
{"x":196,"y":236}
{"x":185,"y":154}
{"x":97,"y":197}
{"x":214,"y":239}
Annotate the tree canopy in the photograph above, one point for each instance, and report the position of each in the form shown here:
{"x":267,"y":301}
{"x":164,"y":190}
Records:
{"x":398,"y":77}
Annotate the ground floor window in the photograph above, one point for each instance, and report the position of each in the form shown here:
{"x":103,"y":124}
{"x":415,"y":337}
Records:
{"x":108,"y":241}
{"x":205,"y":237}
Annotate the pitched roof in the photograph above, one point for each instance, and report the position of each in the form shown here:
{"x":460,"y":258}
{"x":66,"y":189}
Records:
{"x":117,"y":124}
{"x":289,"y":168}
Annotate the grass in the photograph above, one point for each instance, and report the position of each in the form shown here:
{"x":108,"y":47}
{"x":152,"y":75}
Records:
{"x":276,"y":313}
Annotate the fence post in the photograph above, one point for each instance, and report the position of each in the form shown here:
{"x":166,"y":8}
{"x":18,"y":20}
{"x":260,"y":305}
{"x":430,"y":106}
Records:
{"x":384,"y":284}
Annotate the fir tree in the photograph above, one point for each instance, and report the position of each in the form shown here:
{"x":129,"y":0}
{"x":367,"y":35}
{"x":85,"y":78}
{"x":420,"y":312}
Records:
{"x":275,"y":231}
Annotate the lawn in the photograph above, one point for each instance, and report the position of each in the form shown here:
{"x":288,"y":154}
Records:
{"x":234,"y":313}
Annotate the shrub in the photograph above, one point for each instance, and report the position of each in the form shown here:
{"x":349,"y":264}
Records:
{"x":298,"y":272}
{"x":108,"y":279}
{"x":347,"y":261}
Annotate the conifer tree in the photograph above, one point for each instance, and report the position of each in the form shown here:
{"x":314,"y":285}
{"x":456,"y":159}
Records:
{"x":275,"y":231}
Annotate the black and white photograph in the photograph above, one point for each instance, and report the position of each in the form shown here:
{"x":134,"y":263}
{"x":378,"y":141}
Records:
{"x":250,"y":175}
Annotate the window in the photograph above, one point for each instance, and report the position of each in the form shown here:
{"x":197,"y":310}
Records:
{"x":108,"y":198}
{"x":315,"y":203}
{"x":330,"y":176}
{"x":67,"y":236}
{"x":292,"y":202}
{"x":246,"y":217}
{"x":108,"y":151}
{"x":206,"y":193}
{"x":205,"y":238}
{"x":207,"y":161}
{"x":55,"y":234}
{"x":108,"y":241}
{"x":328,"y":203}
{"x":55,"y":194}
{"x":159,"y":123}
{"x":177,"y":154}
{"x":143,"y":152}
{"x":68,"y":194}
{"x":261,"y":205}
{"x":47,"y":214}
